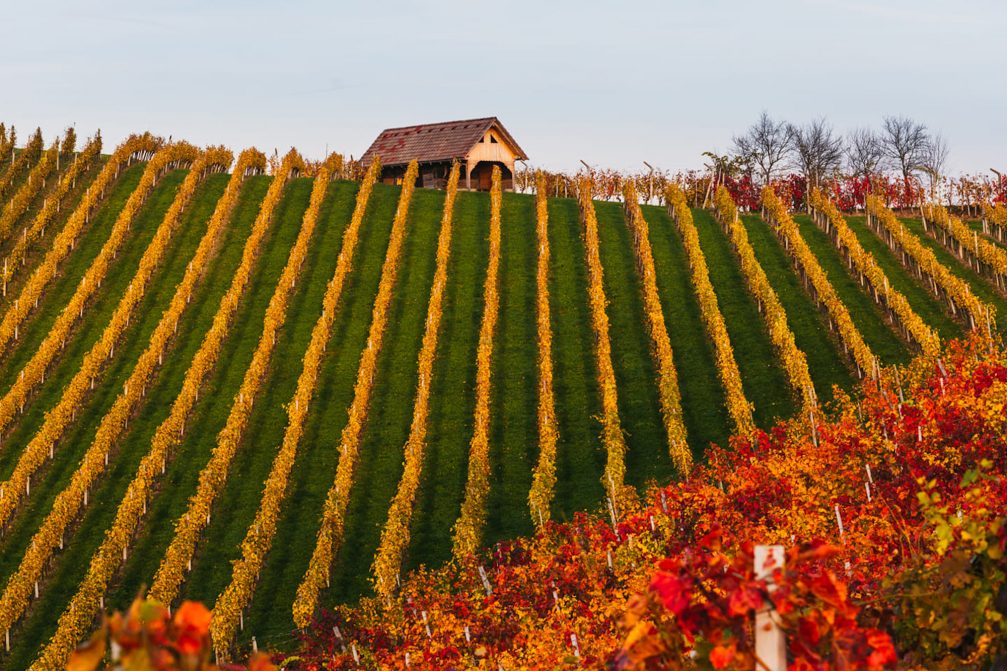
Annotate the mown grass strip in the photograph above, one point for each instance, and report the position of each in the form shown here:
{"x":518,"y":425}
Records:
{"x":762,"y":377}
{"x":811,"y":331}
{"x":703,"y":407}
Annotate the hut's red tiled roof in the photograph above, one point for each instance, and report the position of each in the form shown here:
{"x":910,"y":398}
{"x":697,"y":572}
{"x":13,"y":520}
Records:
{"x":434,"y":141}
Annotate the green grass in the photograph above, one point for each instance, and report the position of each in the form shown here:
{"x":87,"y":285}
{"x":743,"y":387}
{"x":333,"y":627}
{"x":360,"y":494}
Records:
{"x":930,"y":310}
{"x":379,"y":465}
{"x":980,"y":286}
{"x":88,"y":330}
{"x":579,"y":457}
{"x":452,"y":393}
{"x":269,"y":615}
{"x":238,"y":503}
{"x":866,"y":314}
{"x":86,"y":535}
{"x":764,"y":380}
{"x":811,"y":332}
{"x":54,"y":476}
{"x":647,"y":457}
{"x":56,"y":295}
{"x":210,"y":413}
{"x":703,"y":408}
{"x":514,"y":407}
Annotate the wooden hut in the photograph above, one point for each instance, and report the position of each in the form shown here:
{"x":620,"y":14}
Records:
{"x":478,"y":144}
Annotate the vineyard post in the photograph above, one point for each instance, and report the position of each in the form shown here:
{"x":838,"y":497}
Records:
{"x":770,"y":642}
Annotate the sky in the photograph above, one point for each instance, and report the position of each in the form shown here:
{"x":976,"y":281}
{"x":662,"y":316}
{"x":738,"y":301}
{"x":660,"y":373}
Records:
{"x":612,"y":83}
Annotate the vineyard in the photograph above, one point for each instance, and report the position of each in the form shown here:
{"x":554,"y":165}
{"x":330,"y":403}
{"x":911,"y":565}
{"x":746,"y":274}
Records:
{"x":276,"y":385}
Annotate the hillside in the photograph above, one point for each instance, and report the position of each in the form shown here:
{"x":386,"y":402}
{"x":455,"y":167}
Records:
{"x":581,"y":451}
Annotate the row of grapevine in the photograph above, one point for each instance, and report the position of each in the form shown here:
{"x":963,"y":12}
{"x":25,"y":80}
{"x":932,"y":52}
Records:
{"x":7,"y":140}
{"x":818,"y":282}
{"x":469,"y":526}
{"x":900,"y":312}
{"x":395,"y":535}
{"x":259,"y":536}
{"x":214,"y":475}
{"x":924,"y":264}
{"x":58,"y":418}
{"x":995,"y":220}
{"x":139,"y":147}
{"x":660,"y":344}
{"x":738,"y":407}
{"x":544,"y":477}
{"x":612,"y":439}
{"x":73,"y":498}
{"x":330,"y":532}
{"x":33,"y":184}
{"x":50,"y":208}
{"x":794,"y":361}
{"x":985,"y":257}
{"x":78,"y":616}
{"x":26,"y":158}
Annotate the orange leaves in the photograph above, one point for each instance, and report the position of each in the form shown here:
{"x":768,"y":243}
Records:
{"x":544,"y":478}
{"x":468,"y":529}
{"x":738,"y":407}
{"x":794,"y":362}
{"x":660,"y":344}
{"x":827,"y":216}
{"x":822,"y":290}
{"x":395,"y":535}
{"x":924,"y":264}
{"x":612,"y":439}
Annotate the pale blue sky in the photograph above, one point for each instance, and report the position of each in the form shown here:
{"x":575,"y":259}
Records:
{"x":613,"y":83}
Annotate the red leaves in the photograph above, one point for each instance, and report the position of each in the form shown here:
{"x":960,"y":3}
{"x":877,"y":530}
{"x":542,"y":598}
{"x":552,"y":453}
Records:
{"x":721,"y":656}
{"x":673,"y":591}
{"x":192,"y":626}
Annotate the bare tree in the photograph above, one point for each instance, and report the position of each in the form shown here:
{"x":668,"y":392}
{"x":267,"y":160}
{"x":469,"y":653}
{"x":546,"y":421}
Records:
{"x":764,"y":146}
{"x":933,"y":161}
{"x":905,"y":143}
{"x":816,"y":150}
{"x":864,"y":153}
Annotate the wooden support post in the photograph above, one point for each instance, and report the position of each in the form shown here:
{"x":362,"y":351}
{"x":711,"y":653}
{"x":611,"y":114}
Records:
{"x":770,"y":640}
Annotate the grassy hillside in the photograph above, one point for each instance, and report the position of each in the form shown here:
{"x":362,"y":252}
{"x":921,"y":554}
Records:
{"x":513,"y":446}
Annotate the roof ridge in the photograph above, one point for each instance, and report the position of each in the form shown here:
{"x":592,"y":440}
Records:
{"x":441,"y":123}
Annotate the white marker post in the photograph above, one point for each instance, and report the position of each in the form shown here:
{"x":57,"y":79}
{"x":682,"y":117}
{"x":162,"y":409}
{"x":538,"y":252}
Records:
{"x":770,"y":641}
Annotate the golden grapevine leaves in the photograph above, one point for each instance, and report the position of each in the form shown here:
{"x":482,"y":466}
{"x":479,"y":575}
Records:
{"x":59,"y":417}
{"x":827,"y":216}
{"x":73,"y":499}
{"x":987,"y":258}
{"x":31,"y":153}
{"x":79,"y":614}
{"x":795,"y":363}
{"x":783,"y":224}
{"x":137,"y":147}
{"x":469,"y":527}
{"x":213,"y":476}
{"x":922,"y":262}
{"x":395,"y":535}
{"x":995,"y":219}
{"x":330,"y":532}
{"x":259,"y":537}
{"x":614,"y":477}
{"x":660,"y":344}
{"x":50,"y":208}
{"x":738,"y":407}
{"x":544,"y":478}
{"x":31,"y":187}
